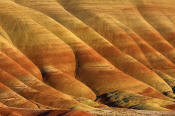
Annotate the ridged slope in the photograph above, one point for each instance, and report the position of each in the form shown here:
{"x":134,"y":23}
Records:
{"x":59,"y":55}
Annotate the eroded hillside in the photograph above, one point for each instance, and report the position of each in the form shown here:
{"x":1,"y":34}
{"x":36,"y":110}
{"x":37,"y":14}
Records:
{"x":87,"y":57}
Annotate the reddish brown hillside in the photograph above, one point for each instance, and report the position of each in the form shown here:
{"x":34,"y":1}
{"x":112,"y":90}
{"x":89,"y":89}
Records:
{"x":87,"y":57}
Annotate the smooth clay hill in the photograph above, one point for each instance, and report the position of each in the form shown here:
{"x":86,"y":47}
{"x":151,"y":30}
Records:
{"x":87,"y":57}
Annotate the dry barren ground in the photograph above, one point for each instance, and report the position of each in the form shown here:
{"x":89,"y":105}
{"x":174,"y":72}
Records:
{"x":87,"y":57}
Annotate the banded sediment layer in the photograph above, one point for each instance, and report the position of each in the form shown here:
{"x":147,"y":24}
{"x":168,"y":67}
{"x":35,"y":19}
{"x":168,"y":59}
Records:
{"x":87,"y":57}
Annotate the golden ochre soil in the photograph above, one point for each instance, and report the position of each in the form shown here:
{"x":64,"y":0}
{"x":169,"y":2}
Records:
{"x":87,"y":58}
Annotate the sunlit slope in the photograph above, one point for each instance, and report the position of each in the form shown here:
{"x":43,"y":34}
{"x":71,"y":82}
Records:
{"x":85,"y":54}
{"x":115,"y":25}
{"x":121,"y":35}
{"x":88,"y":61}
{"x":48,"y":52}
{"x":116,"y":57}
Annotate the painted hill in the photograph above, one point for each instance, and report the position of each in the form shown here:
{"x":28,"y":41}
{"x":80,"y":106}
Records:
{"x":87,"y":57}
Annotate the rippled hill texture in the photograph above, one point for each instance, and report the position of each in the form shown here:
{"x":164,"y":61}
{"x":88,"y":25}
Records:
{"x":87,"y":58}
